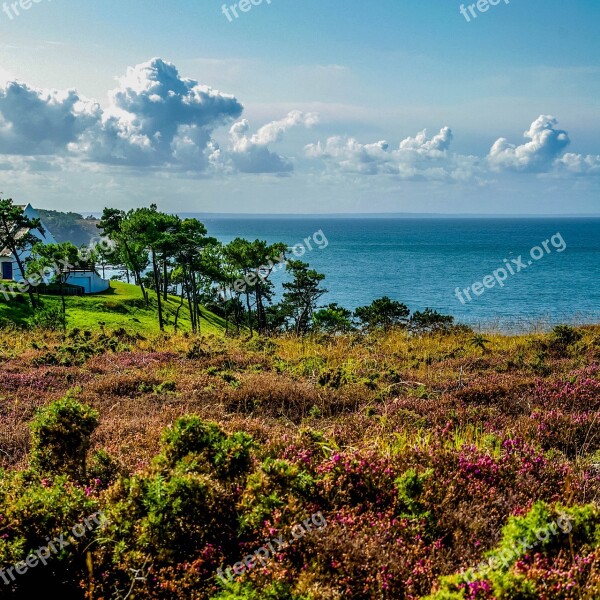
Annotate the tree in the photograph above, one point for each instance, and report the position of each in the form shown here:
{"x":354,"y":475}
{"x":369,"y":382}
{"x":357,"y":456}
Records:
{"x":302,"y":294}
{"x":130,"y":250}
{"x":250,"y":266}
{"x":188,"y":244}
{"x":430,"y":320}
{"x":101,"y":253}
{"x":333,"y":319}
{"x":383,"y":313}
{"x":16,"y":236}
{"x":154,"y":232}
{"x":59,"y":258}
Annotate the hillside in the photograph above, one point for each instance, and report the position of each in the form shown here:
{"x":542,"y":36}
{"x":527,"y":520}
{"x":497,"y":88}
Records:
{"x":120,"y":307}
{"x":69,"y":226}
{"x":384,"y":462}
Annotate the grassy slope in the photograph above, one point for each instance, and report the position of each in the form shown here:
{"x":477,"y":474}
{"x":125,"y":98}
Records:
{"x":121,"y":306}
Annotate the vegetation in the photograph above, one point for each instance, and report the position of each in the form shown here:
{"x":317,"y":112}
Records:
{"x":434,"y":463}
{"x":70,"y":227}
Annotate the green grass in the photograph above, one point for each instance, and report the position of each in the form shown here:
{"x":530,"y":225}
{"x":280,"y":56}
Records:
{"x":120,"y":306}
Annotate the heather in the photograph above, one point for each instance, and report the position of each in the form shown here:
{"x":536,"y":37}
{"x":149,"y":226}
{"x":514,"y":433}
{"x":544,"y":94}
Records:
{"x":435,"y":458}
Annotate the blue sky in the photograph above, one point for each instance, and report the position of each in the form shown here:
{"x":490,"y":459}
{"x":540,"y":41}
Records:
{"x":315,"y":106}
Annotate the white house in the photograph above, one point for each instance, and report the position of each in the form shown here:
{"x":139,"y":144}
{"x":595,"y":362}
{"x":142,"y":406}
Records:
{"x":88,"y":279}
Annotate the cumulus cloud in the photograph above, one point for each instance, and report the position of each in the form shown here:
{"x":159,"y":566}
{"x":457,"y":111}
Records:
{"x":351,"y":156}
{"x":155,"y":117}
{"x":37,"y":122}
{"x":538,"y":155}
{"x":433,"y":148}
{"x":418,"y":157}
{"x":578,"y":164}
{"x":250,"y":153}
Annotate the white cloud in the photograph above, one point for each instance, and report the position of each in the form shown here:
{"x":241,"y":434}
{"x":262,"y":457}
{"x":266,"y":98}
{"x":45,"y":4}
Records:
{"x":154,"y":118}
{"x":157,"y":118}
{"x":351,"y":156}
{"x":250,"y":153}
{"x":578,"y":164}
{"x":536,"y":156}
{"x":37,"y":122}
{"x":434,"y":147}
{"x":419,"y":157}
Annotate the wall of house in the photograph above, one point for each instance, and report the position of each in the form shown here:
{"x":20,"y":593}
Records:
{"x":91,"y":283}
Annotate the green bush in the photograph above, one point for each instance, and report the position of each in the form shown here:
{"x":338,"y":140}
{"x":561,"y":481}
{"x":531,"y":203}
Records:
{"x":207,"y":446}
{"x":562,"y":337}
{"x":275,"y":485}
{"x":33,"y":512}
{"x":50,"y":318}
{"x":410,"y":486}
{"x":180,"y":510}
{"x":276,"y":591}
{"x":103,"y":468}
{"x":60,"y":437}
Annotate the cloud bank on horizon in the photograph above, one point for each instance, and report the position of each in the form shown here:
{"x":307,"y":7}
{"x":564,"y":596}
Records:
{"x":157,"y":118}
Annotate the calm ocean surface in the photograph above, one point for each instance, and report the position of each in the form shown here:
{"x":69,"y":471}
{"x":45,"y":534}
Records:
{"x":421,"y":261}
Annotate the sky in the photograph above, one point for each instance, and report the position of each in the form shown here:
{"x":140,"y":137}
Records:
{"x":302,"y":107}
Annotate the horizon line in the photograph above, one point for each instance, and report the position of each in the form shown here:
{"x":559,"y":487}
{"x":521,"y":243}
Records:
{"x":406,"y":215}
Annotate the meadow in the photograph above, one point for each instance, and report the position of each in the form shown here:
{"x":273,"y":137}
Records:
{"x":426,"y":455}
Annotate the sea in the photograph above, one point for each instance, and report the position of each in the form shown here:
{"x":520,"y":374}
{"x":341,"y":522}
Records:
{"x":555,"y":263}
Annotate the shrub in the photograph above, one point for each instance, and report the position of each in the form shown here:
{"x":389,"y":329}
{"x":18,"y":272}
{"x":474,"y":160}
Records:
{"x":562,"y":337}
{"x":276,"y":591}
{"x":50,"y":318}
{"x":410,"y":486}
{"x":208,"y":446}
{"x":103,"y":469}
{"x":60,"y":437}
{"x":179,"y":516}
{"x":35,"y":511}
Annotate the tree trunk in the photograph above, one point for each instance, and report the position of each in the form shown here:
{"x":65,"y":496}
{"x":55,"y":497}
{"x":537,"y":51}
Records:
{"x":22,"y":269}
{"x":166,"y":280}
{"x":136,"y":273}
{"x":157,"y":287}
{"x":186,"y":281}
{"x":197,"y":314}
{"x":178,"y":309}
{"x":250,"y":320}
{"x":64,"y":305}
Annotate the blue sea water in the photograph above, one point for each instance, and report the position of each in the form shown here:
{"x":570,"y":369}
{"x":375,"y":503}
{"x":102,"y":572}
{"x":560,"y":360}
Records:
{"x":421,"y":261}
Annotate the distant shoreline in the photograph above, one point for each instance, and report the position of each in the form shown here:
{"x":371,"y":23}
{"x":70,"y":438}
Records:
{"x":399,"y":216}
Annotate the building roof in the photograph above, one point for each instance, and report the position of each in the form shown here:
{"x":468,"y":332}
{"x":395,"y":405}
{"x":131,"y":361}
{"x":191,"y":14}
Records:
{"x":23,"y":232}
{"x":5,"y":252}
